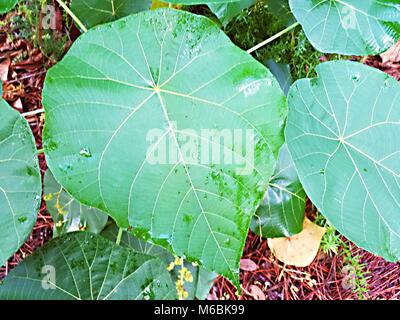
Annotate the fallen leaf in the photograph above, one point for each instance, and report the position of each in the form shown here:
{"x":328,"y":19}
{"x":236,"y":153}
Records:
{"x":4,"y":66}
{"x":248,"y":265}
{"x":256,"y":292}
{"x":301,"y":249}
{"x":17,"y":104}
{"x":160,"y":4}
{"x":392,"y":55}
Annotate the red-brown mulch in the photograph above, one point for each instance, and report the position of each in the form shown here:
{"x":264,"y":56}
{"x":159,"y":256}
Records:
{"x":324,"y":279}
{"x":24,"y":69}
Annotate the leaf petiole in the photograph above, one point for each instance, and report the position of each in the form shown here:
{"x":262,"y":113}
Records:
{"x":73,"y":16}
{"x":274,"y":37}
{"x":32,"y":113}
{"x":119,"y":236}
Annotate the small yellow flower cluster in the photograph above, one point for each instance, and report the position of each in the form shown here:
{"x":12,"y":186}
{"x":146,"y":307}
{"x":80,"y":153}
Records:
{"x":57,"y":205}
{"x":184,"y":276}
{"x":182,"y":293}
{"x":59,"y":224}
{"x":48,"y":197}
{"x":178,"y":262}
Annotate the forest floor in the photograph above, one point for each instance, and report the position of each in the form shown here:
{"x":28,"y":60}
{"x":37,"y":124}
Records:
{"x":341,"y":270}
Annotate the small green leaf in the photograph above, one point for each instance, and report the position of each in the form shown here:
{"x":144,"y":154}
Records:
{"x":350,"y":27}
{"x":20,"y":181}
{"x":202,"y":279}
{"x":282,"y":212}
{"x":282,"y":73}
{"x":343,"y":134}
{"x":67,"y":213}
{"x":94,"y":12}
{"x":7,"y":5}
{"x":225,"y":12}
{"x":84,"y":266}
{"x":149,"y":95}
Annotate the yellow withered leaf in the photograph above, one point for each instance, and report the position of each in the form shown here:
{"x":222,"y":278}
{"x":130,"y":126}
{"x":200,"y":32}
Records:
{"x":300,"y":249}
{"x":161,"y":4}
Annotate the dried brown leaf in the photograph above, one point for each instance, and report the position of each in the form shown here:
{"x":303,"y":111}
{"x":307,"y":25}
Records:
{"x":392,"y":55}
{"x":256,"y":292}
{"x":248,"y":265}
{"x":4,"y":67}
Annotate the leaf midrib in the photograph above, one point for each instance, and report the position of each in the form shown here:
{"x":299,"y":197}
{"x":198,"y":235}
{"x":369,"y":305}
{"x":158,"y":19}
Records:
{"x":182,"y":159}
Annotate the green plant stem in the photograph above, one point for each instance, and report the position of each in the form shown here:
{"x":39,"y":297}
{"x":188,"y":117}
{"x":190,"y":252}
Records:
{"x":40,"y":151}
{"x":32,"y":113}
{"x":73,"y":16}
{"x":274,"y":37}
{"x":119,"y":237}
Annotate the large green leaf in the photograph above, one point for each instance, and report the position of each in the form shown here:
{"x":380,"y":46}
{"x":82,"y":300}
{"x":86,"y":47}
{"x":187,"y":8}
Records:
{"x":351,"y":27}
{"x":20,"y":181}
{"x":343,"y":134}
{"x":7,"y":5}
{"x":202,"y":279}
{"x":281,"y":10}
{"x":128,"y":90}
{"x":225,"y":12}
{"x":84,"y":266}
{"x":68,"y":214}
{"x":282,"y":212}
{"x":94,"y":12}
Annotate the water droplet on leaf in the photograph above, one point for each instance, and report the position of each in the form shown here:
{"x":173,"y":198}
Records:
{"x":85,"y":152}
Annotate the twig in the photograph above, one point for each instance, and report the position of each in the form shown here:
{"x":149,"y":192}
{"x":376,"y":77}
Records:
{"x":73,"y":16}
{"x":32,"y":113}
{"x":274,"y":37}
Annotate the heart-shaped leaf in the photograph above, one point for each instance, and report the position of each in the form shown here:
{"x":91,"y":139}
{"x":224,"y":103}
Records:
{"x":282,"y":212}
{"x":202,"y":280}
{"x":343,"y":134}
{"x":225,"y":12}
{"x":179,"y":127}
{"x":7,"y":5}
{"x":84,"y":266}
{"x":350,"y":27}
{"x":94,"y":12}
{"x":68,"y":214}
{"x":20,"y":181}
